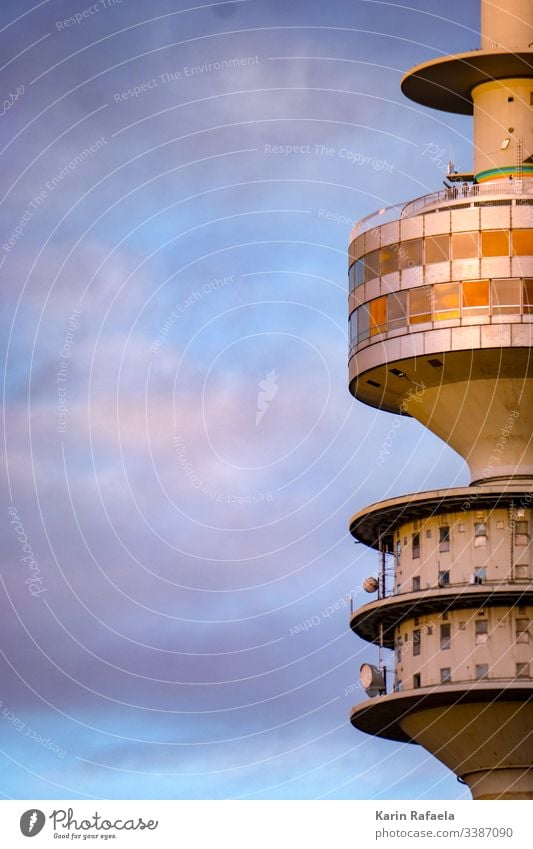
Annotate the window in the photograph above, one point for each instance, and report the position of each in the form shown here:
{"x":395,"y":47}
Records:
{"x":495,"y":243}
{"x":372,"y":265}
{"x":446,"y":301}
{"x":398,"y":686}
{"x":416,"y":681}
{"x":417,"y":639}
{"x":482,"y":632}
{"x":416,"y":584}
{"x":389,"y":259}
{"x":480,"y":574}
{"x":378,"y":316}
{"x":522,"y":670}
{"x":363,"y":323}
{"x":445,"y":675}
{"x":437,"y":248}
{"x":444,"y":538}
{"x":475,"y":297}
{"x":521,"y":571}
{"x":399,"y":650}
{"x":428,"y":533}
{"x":445,"y":636}
{"x":523,"y":242}
{"x":522,"y":632}
{"x":420,"y":305}
{"x":521,"y":536}
{"x":482,"y":671}
{"x":465,"y":245}
{"x":415,"y":546}
{"x":505,"y":295}
{"x":461,"y":529}
{"x":444,"y":578}
{"x":397,"y":310}
{"x":359,"y":272}
{"x":480,"y":535}
{"x":528,"y":295}
{"x":410,"y":253}
{"x":353,"y":329}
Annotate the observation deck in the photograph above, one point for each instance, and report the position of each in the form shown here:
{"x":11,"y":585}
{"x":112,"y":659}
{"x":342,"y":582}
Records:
{"x":506,"y":192}
{"x":441,"y":307}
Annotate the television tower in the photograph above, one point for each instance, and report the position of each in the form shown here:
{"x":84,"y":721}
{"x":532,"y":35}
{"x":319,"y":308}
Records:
{"x":441,"y":311}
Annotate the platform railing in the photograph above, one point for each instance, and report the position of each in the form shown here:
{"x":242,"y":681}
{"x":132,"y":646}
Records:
{"x":456,"y":195}
{"x":457,"y":585}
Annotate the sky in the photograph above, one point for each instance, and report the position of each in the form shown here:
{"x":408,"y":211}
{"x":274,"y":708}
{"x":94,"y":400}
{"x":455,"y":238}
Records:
{"x":181,"y":452}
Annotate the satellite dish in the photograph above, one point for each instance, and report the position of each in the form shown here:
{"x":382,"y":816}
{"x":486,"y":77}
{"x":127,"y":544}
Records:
{"x":372,"y":680}
{"x":370,"y":585}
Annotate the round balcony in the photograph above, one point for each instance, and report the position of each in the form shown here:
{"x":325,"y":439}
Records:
{"x":493,"y":195}
{"x":377,"y":621}
{"x":387,"y":716}
{"x":376,"y":524}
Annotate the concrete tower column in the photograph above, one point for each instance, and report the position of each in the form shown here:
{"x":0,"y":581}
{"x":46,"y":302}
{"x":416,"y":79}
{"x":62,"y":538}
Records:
{"x":506,"y":25}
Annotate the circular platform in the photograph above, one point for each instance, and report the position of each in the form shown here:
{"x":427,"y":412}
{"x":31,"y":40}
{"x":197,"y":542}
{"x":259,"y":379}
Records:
{"x":447,"y":83}
{"x":379,"y":619}
{"x":380,"y":520}
{"x":383,"y":715}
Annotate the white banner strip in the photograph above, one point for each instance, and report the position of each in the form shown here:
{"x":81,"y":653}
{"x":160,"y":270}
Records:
{"x":267,"y":824}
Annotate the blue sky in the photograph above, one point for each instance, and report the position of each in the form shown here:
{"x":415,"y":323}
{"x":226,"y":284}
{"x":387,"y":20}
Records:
{"x":172,"y":254}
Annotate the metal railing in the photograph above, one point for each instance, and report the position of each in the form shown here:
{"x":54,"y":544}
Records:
{"x":455,"y":196}
{"x":463,"y":682}
{"x":471,"y":192}
{"x":490,"y":584}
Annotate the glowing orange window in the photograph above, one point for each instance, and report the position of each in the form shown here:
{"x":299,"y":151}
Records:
{"x":475,"y":297}
{"x":378,"y":316}
{"x":389,"y":259}
{"x":446,"y":301}
{"x":495,"y":243}
{"x":420,"y":305}
{"x":523,"y":242}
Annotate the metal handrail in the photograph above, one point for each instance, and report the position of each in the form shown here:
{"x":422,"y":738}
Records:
{"x":467,"y":193}
{"x":469,"y":681}
{"x":458,"y":584}
{"x":455,"y":196}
